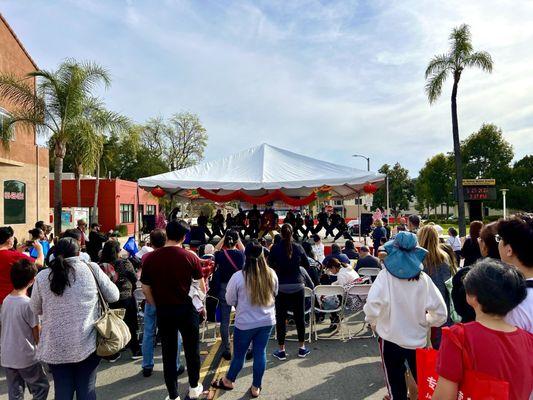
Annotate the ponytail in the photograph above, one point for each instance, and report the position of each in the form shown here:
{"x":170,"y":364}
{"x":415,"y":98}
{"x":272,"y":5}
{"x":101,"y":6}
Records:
{"x":258,"y":278}
{"x":286,"y":236}
{"x":60,"y":268}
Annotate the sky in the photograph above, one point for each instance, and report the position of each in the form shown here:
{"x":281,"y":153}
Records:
{"x":327,"y":79}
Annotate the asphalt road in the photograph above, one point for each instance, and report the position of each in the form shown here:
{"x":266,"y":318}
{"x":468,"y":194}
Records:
{"x":334,"y":370}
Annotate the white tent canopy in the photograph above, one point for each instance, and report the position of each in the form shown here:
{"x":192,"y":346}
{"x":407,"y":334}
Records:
{"x":261,"y":169}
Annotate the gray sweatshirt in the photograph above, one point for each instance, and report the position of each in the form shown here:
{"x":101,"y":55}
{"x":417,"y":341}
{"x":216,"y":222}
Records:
{"x":248,"y":316}
{"x":68,"y":334}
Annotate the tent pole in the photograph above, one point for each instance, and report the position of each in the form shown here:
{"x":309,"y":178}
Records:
{"x":359,"y":214}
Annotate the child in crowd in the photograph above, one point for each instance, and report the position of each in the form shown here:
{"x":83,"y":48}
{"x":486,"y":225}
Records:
{"x":495,"y":347}
{"x":403,"y":303}
{"x":20,"y":335}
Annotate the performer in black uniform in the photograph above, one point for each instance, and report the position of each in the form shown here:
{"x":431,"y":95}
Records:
{"x":323,"y":222}
{"x":299,"y":226}
{"x":240,"y":223}
{"x":202,"y":224}
{"x":335,"y":221}
{"x":230,"y":221}
{"x":218,"y":224}
{"x":343,"y":230}
{"x":309,"y":225}
{"x":254,"y":222}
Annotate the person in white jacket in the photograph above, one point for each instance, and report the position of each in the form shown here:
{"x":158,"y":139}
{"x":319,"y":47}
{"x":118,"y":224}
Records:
{"x":402,"y":305}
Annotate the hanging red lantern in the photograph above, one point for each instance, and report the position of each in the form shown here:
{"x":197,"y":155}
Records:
{"x":158,"y":192}
{"x":370,"y":188}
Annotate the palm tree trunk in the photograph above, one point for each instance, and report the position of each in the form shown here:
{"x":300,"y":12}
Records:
{"x":96,"y":189}
{"x":458,"y":161}
{"x":58,"y":189}
{"x":77,"y":176}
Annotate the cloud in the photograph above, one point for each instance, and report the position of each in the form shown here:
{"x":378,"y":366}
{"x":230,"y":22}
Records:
{"x":327,"y":79}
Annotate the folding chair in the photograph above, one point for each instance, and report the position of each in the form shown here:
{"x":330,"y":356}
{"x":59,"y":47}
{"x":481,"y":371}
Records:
{"x":361,"y":292}
{"x":370,"y":272}
{"x":139,"y":297}
{"x":205,"y":324}
{"x":329,"y":290}
{"x":308,"y":294}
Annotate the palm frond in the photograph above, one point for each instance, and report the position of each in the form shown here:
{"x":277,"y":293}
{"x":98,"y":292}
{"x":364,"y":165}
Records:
{"x":438,"y":64}
{"x":434,"y":85}
{"x":16,"y":91}
{"x":461,"y":43}
{"x":480,"y":59}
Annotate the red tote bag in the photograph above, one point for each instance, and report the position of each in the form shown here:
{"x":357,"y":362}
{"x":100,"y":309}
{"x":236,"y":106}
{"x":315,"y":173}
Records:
{"x":475,"y":385}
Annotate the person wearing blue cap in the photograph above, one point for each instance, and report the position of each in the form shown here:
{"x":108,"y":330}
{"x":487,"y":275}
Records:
{"x":402,"y":305}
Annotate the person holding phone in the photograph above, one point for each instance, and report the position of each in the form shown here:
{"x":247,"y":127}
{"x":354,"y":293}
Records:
{"x":229,"y":258}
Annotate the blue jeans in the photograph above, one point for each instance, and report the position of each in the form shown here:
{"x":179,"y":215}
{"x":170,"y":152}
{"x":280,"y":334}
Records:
{"x":79,"y":378}
{"x":150,"y":320}
{"x":241,"y":341}
{"x":225,"y":313}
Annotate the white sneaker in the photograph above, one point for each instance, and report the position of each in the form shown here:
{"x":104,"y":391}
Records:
{"x":196,"y":392}
{"x":168,"y":398}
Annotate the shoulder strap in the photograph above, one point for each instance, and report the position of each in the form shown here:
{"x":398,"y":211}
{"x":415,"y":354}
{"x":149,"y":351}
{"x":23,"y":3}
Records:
{"x":102,"y":301}
{"x":231,"y":260}
{"x":459,"y":338}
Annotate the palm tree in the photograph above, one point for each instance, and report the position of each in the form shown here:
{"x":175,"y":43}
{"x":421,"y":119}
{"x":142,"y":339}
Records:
{"x":460,"y":56}
{"x":55,"y":108}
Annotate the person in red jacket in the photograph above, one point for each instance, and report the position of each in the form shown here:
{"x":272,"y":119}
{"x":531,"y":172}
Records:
{"x":494,"y":347}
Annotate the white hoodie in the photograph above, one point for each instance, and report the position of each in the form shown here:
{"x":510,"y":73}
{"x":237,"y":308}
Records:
{"x":403,"y":310}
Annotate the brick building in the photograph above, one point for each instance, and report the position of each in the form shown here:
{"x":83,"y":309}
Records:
{"x":24,"y":166}
{"x":119,"y":202}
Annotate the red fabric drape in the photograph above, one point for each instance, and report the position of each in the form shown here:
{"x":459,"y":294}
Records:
{"x":266,"y":198}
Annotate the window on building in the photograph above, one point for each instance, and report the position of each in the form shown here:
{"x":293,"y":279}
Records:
{"x":150,"y":209}
{"x":126,"y":213}
{"x":4,"y":115}
{"x":14,"y":202}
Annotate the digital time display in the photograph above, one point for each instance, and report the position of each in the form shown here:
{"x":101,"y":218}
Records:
{"x":479,"y":193}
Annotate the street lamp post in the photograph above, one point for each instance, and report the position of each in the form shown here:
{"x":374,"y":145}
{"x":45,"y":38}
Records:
{"x":366,"y":158}
{"x":504,"y":194}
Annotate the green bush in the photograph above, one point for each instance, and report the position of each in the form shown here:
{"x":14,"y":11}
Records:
{"x":207,"y":209}
{"x":122,"y":230}
{"x":491,"y":218}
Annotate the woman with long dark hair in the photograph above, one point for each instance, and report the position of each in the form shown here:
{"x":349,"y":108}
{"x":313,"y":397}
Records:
{"x":229,"y":259}
{"x":286,"y":258}
{"x":471,"y":251}
{"x":121,"y":272}
{"x":252,"y":291}
{"x":66,"y":297}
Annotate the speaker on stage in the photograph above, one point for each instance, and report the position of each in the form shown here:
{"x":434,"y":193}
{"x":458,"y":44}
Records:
{"x":366,"y":223}
{"x":148,"y":223}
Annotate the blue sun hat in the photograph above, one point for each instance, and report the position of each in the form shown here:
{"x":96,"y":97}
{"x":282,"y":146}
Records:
{"x":404,"y":256}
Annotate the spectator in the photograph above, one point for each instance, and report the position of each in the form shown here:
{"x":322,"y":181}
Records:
{"x":455,"y":243}
{"x":65,"y":295}
{"x":366,"y":260}
{"x":413,"y":223}
{"x":20,"y":336}
{"x":344,"y":273}
{"x":496,"y":348}
{"x":378,"y":233}
{"x":387,"y":227}
{"x":402,"y":304}
{"x":488,"y":246}
{"x":228,"y":259}
{"x":350,"y":251}
{"x":252,"y":292}
{"x":314,"y":266}
{"x":336,"y":253}
{"x":166,"y":277}
{"x":8,"y":257}
{"x":158,"y":238}
{"x":318,"y":248}
{"x":37,"y":234}
{"x":76,"y":235}
{"x":515,"y":237}
{"x":81,"y":226}
{"x":471,"y":252}
{"x":286,"y":258}
{"x":121,"y":272}
{"x":437,"y":266}
{"x":96,"y":240}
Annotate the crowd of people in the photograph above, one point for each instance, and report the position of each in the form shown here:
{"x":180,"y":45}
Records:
{"x":425,"y":287}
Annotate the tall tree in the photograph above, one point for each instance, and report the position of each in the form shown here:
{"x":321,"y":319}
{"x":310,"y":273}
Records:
{"x":401,"y":189}
{"x":56,"y":108}
{"x":180,"y":141}
{"x":434,"y":186}
{"x":460,"y":56}
{"x":520,"y":196}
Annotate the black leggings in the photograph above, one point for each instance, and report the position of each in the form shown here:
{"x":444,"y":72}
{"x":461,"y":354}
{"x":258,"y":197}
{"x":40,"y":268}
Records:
{"x":171,"y":319}
{"x":295,"y":303}
{"x":394,"y":358}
